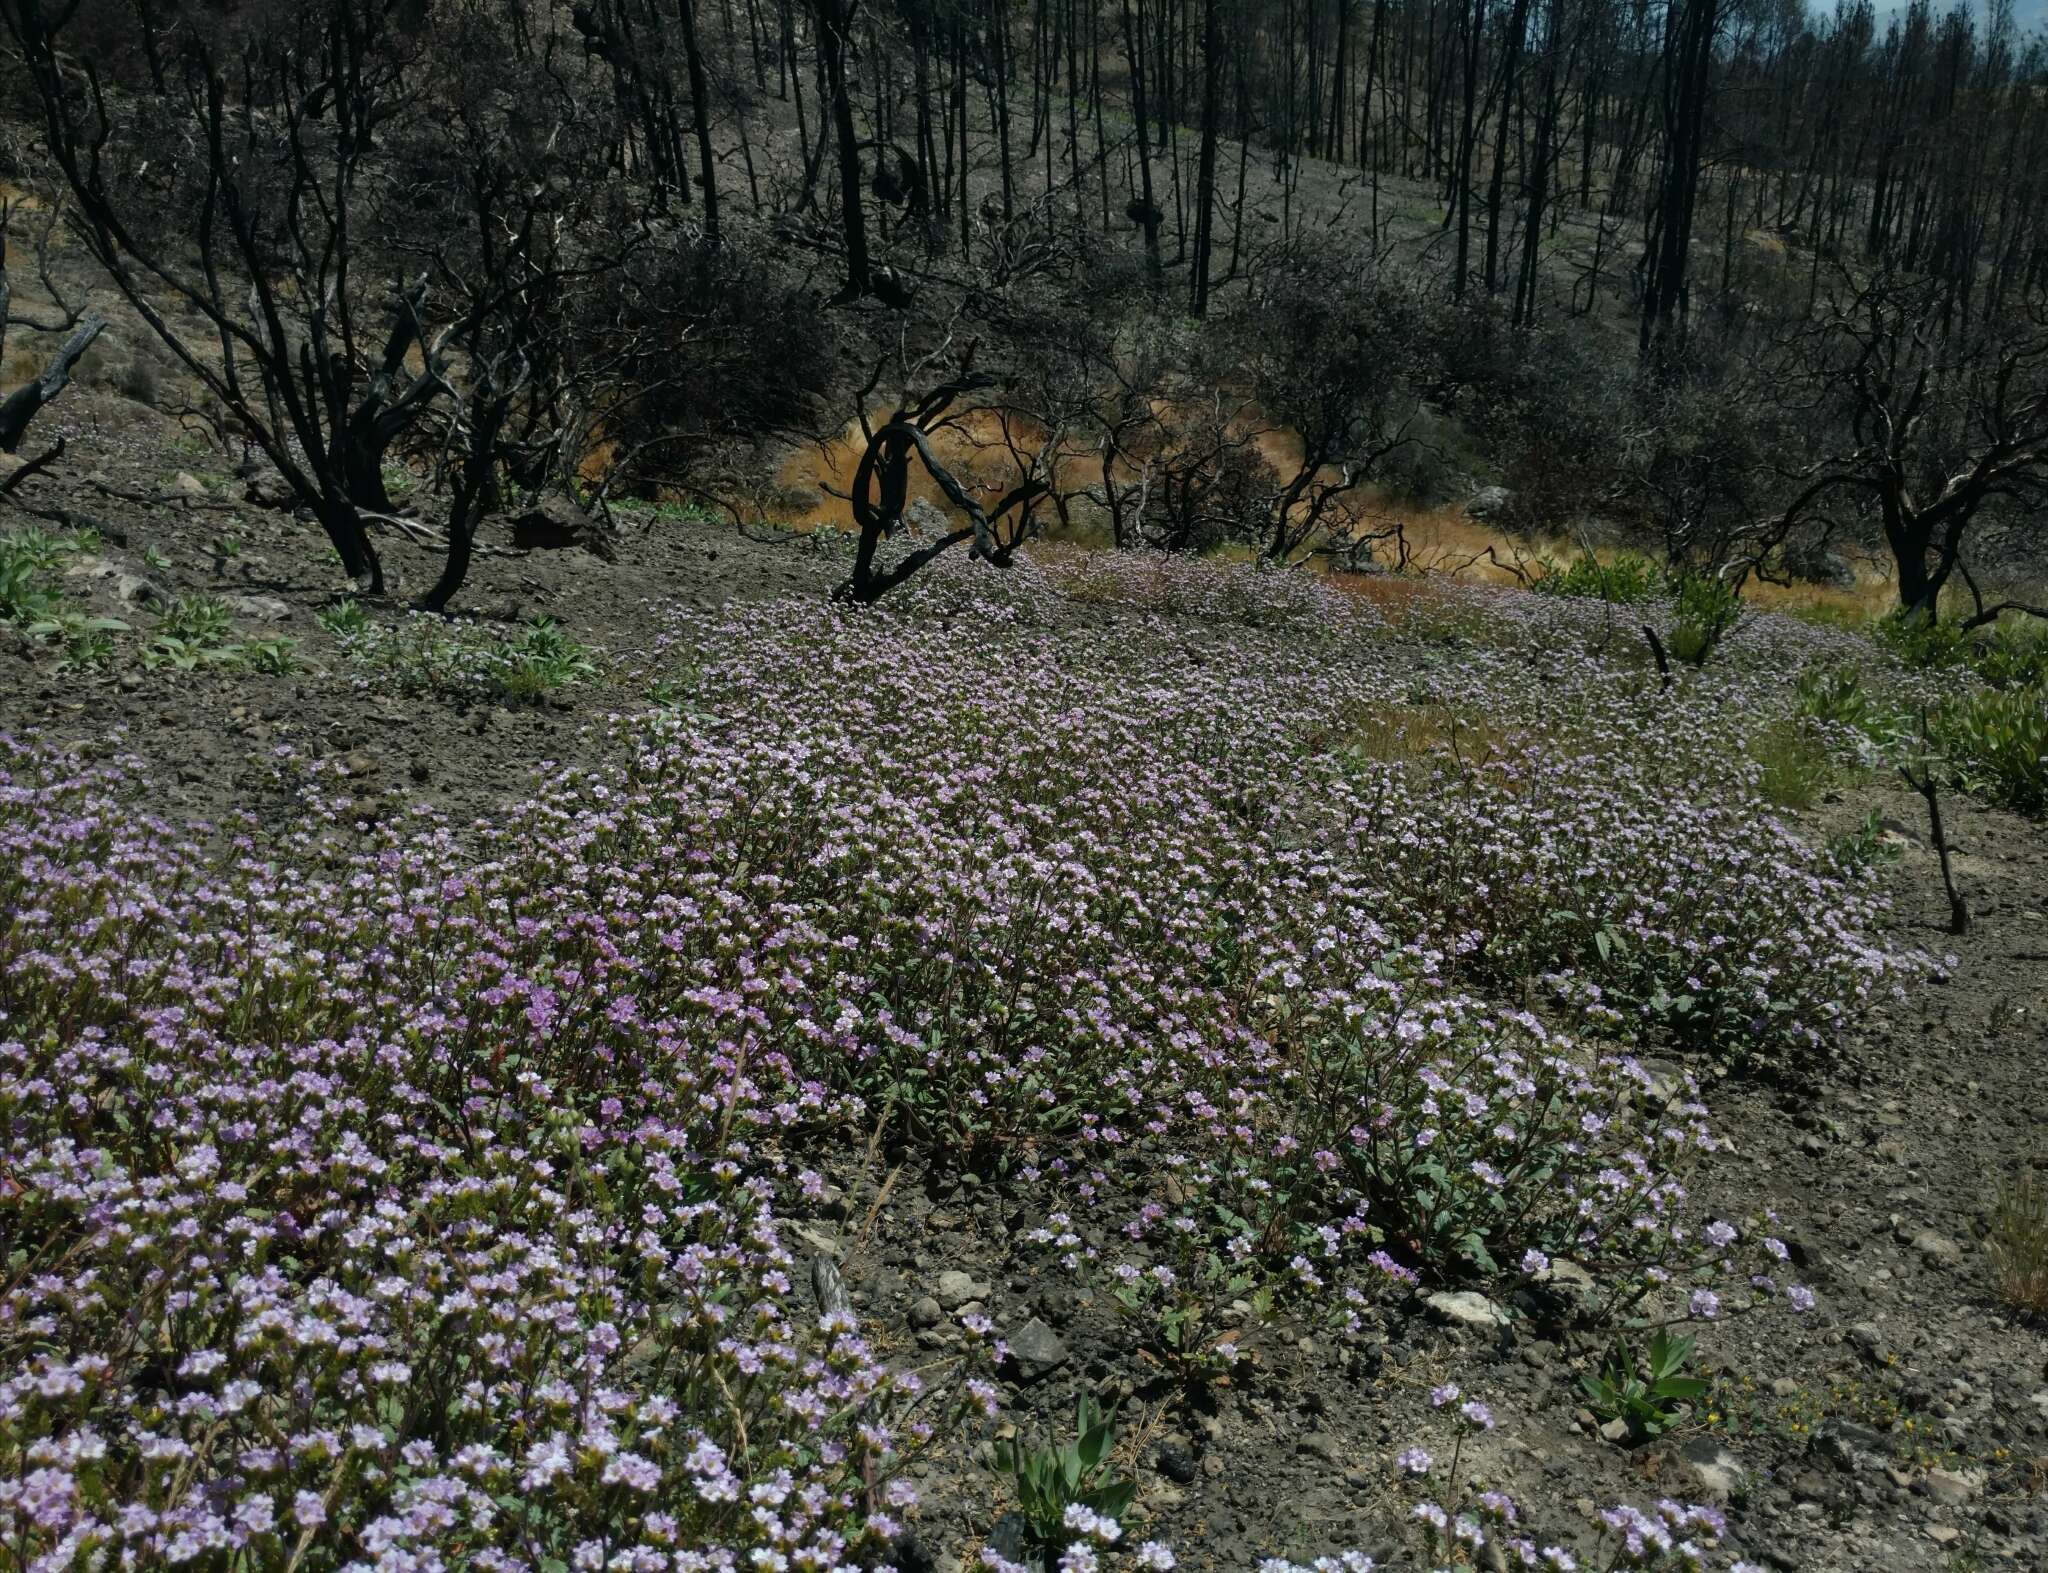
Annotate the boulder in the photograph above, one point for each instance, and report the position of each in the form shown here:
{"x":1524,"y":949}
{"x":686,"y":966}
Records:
{"x":266,"y":488}
{"x":556,"y":523}
{"x":1490,"y":504}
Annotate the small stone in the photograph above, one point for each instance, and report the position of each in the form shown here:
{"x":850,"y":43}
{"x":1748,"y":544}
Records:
{"x":1176,"y":1463}
{"x":1937,"y":1250}
{"x":1716,"y":1472}
{"x":1944,"y":1534}
{"x":1467,"y":1308}
{"x":261,"y":608}
{"x":138,"y":591}
{"x":1869,"y":1338}
{"x":267,"y":488}
{"x":1036,"y":1350}
{"x":1320,"y":1444}
{"x":1615,"y":1431}
{"x":926,"y":1312}
{"x":956,"y":1289}
{"x":1490,"y":502}
{"x":1954,"y":1487}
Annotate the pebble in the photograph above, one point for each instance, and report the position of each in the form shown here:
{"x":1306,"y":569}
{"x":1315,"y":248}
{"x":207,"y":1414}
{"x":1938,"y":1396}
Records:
{"x":926,"y":1312}
{"x":1036,"y":1350}
{"x":1467,"y":1308}
{"x":1320,"y":1444}
{"x":1954,"y":1487}
{"x":1716,"y":1472}
{"x":1176,"y":1463}
{"x":956,"y":1289}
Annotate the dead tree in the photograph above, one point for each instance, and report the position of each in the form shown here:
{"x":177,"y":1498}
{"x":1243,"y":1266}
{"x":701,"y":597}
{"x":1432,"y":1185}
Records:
{"x":79,"y":327}
{"x":881,"y":487}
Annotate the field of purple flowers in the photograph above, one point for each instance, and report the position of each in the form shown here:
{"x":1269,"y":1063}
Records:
{"x":423,"y":1196}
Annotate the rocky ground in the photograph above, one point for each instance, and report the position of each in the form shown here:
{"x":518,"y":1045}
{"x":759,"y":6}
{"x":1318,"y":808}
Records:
{"x":1902,"y":1425}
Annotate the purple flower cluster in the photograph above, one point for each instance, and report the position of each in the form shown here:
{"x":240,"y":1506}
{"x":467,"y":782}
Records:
{"x":412,"y":1194}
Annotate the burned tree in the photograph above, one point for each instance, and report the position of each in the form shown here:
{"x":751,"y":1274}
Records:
{"x":79,"y":327}
{"x":881,"y":490}
{"x":1942,"y":431}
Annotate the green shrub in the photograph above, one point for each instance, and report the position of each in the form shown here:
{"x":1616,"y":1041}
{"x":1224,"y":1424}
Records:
{"x":26,"y":555}
{"x":2012,"y":657}
{"x":440,"y":655}
{"x":1835,"y":693}
{"x":1708,"y":608}
{"x":1996,"y":742}
{"x":1792,"y":765}
{"x":1054,"y":1477}
{"x":1630,"y":577}
{"x":1650,"y":1395}
{"x":1922,"y":641}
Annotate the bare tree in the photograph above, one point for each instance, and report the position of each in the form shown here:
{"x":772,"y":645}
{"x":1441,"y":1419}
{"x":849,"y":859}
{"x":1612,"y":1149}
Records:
{"x":881,"y":485}
{"x":79,"y":326}
{"x":1939,"y":431}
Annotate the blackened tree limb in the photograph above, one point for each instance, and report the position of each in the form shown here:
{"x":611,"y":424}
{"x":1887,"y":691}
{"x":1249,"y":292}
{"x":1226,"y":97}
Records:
{"x":24,"y":403}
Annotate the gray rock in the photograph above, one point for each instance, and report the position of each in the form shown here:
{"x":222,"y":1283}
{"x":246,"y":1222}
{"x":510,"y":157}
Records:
{"x":555,"y":523}
{"x":1937,"y":1250}
{"x":1177,"y":1464}
{"x":1467,"y":1308}
{"x":926,"y":518}
{"x":956,"y":1289}
{"x":1954,"y":1487}
{"x":926,"y":1312}
{"x":1322,"y":1445}
{"x":1490,"y":503}
{"x":266,"y":488}
{"x":1817,"y":565}
{"x":138,"y":591}
{"x":264,"y":608}
{"x":1869,"y":1338}
{"x":1036,"y":1350}
{"x":1615,"y":1431}
{"x":1716,"y":1472}
{"x":1849,"y":1446}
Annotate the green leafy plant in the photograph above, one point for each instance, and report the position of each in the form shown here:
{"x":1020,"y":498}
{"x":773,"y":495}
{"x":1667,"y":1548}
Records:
{"x":1834,"y":693}
{"x":1708,"y":609}
{"x":88,"y":641}
{"x":273,"y":656}
{"x":542,"y":657}
{"x":1792,"y":765}
{"x":1995,"y":741}
{"x":1921,"y":641}
{"x":441,"y":655}
{"x":1650,"y":1395}
{"x":1051,"y":1478}
{"x":194,"y":631}
{"x":345,"y":620}
{"x":1861,"y":844}
{"x":1629,"y":577}
{"x":25,"y":556}
{"x":2012,"y":656}
{"x":202,"y":620}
